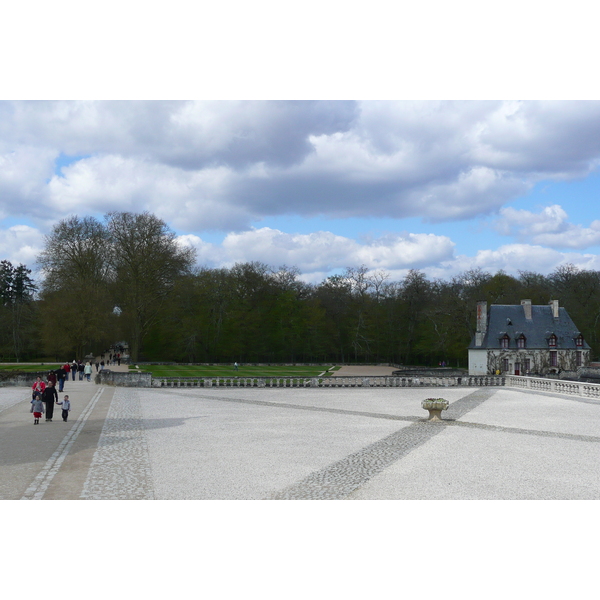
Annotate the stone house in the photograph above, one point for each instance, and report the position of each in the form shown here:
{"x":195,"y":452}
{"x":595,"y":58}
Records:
{"x":526,"y":339}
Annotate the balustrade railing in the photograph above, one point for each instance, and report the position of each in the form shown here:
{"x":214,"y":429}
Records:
{"x":586,"y":390}
{"x":326,"y":382}
{"x":558,"y":386}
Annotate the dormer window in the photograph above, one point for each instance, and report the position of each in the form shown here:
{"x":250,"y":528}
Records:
{"x":521,"y":341}
{"x":579,"y":341}
{"x":504,"y":341}
{"x":552,"y":341}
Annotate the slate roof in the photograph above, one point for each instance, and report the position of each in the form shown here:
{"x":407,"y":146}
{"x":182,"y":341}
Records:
{"x":510,"y":319}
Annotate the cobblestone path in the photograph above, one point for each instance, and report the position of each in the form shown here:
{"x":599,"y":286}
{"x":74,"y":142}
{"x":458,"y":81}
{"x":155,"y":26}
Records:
{"x":120,"y":468}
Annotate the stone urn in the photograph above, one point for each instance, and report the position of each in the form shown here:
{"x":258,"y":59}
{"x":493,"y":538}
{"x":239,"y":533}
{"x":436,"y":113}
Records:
{"x":435,"y":406}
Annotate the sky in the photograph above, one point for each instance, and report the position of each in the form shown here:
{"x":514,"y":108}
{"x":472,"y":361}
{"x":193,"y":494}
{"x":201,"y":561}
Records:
{"x":439,"y":186}
{"x":314,"y":137}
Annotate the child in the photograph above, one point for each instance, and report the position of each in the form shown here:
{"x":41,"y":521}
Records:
{"x":66,"y":407}
{"x":37,"y":408}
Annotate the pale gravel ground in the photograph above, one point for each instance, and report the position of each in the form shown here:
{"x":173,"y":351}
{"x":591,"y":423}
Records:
{"x":223,"y":444}
{"x":354,"y":443}
{"x":9,"y":396}
{"x":233,"y":450}
{"x":463,"y":464}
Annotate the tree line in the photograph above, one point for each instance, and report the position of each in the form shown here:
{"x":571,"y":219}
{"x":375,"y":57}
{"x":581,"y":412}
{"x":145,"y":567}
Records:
{"x":126,"y":278}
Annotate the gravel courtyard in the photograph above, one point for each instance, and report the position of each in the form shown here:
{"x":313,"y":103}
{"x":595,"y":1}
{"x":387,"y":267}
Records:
{"x":268,"y":444}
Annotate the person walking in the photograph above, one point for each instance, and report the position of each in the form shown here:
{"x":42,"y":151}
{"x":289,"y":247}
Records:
{"x":60,"y":374}
{"x":38,"y":387}
{"x":66,"y":407}
{"x":49,"y":397}
{"x":80,"y":368}
{"x":88,"y":370}
{"x":37,"y":408}
{"x":52,"y":377}
{"x":73,"y":368}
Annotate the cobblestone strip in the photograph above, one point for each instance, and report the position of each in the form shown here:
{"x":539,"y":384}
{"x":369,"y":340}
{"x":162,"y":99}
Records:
{"x":120,"y":468}
{"x":552,"y":434}
{"x":466,"y":404}
{"x":339,"y":411}
{"x":40,"y":484}
{"x":340,"y":479}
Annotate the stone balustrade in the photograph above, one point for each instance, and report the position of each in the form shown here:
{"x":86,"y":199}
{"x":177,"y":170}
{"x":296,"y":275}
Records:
{"x":326,"y":382}
{"x":557,"y":386}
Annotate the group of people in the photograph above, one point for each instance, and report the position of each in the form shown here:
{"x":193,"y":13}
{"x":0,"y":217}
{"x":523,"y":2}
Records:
{"x":61,"y":375}
{"x":44,"y":397}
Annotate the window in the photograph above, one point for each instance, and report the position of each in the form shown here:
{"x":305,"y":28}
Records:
{"x":553,"y":358}
{"x":552,"y":341}
{"x":579,"y":341}
{"x":579,"y":359}
{"x":521,"y":341}
{"x":527,"y":365}
{"x":505,"y":364}
{"x":504,"y":341}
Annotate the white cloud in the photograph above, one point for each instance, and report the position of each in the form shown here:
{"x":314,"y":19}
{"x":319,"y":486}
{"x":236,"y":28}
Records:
{"x":224,"y":162}
{"x":513,"y":258}
{"x":323,"y":251}
{"x":549,"y":227}
{"x":21,"y":244}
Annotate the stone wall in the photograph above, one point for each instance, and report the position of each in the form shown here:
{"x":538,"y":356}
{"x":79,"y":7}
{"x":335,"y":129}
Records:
{"x":22,"y":379}
{"x":130,"y":379}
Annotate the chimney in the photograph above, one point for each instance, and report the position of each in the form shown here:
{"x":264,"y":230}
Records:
{"x":481,"y":323}
{"x":526,"y":304}
{"x":554,"y":305}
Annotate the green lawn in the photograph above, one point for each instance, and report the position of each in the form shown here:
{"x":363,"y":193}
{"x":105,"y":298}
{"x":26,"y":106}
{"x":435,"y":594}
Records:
{"x":229,"y":371}
{"x":29,"y":367}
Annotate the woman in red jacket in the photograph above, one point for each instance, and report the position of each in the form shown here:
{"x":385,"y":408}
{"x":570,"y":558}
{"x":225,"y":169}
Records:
{"x":38,"y":386}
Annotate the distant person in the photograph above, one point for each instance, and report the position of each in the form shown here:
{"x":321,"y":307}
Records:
{"x":66,"y":407}
{"x":235,"y":366}
{"x":88,"y":370}
{"x":38,"y":387}
{"x":73,"y":368}
{"x":37,"y":408}
{"x":52,"y":377}
{"x":102,"y":365}
{"x":61,"y":374}
{"x":97,"y":365}
{"x":80,"y":368}
{"x":49,"y":397}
